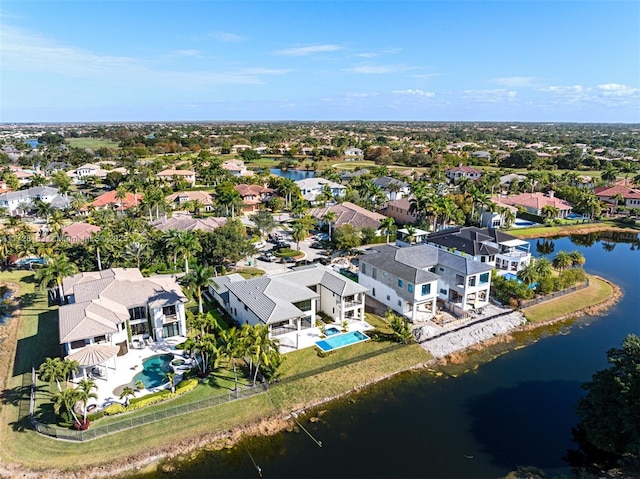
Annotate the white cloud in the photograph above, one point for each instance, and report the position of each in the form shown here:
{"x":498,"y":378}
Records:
{"x":517,"y":81}
{"x":422,"y":93}
{"x":615,"y":89}
{"x":374,"y":69}
{"x":310,"y":50}
{"x":26,"y":52}
{"x":226,"y":37}
{"x":498,"y":95}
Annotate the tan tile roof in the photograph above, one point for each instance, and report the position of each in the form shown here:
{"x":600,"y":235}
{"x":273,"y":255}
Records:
{"x":349,"y":213}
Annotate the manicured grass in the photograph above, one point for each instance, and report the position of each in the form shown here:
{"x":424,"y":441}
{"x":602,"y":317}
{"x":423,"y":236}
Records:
{"x":248,"y":273}
{"x":93,"y":143}
{"x":597,"y":291}
{"x":564,"y":230}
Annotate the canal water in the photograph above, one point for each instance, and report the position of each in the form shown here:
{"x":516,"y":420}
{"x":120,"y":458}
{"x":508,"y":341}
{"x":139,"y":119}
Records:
{"x":507,"y":410}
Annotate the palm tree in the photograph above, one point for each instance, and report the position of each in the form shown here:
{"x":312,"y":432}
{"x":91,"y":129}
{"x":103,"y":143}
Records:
{"x":197,"y":279}
{"x":549,"y":212}
{"x":126,"y":392}
{"x":54,"y":272}
{"x":231,"y":347}
{"x":171,"y":378}
{"x":65,"y":401}
{"x":562,"y":260}
{"x":528,"y":274}
{"x":52,"y":371}
{"x":542,"y":267}
{"x":388,"y":226}
{"x":184,"y":243}
{"x":577,"y":258}
{"x":262,"y":348}
{"x":330,"y":218}
{"x":135,"y":251}
{"x":85,"y":392}
{"x":298,"y":232}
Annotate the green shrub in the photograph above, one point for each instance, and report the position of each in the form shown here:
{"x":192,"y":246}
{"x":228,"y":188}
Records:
{"x":186,"y":385}
{"x":95,"y":416}
{"x":113,"y":409}
{"x":288,"y":253}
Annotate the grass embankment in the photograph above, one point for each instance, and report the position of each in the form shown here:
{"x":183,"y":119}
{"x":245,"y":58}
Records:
{"x":597,"y":292}
{"x":574,"y":229}
{"x":306,"y":379}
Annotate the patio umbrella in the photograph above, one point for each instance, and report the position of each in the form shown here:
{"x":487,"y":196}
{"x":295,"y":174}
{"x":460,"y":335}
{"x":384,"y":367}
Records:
{"x":94,"y":354}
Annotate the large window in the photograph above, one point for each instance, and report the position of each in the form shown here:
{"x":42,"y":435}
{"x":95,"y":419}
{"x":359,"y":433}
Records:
{"x":303,"y":305}
{"x":472,"y":281}
{"x":170,"y":329}
{"x":426,"y":289}
{"x":400,"y":283}
{"x":484,"y":278}
{"x":363,"y":268}
{"x":169,"y":310}
{"x":410,"y":288}
{"x":140,"y":328}
{"x":138,"y":312}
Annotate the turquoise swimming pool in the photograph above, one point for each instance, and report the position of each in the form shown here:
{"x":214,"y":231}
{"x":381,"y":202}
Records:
{"x":154,"y":371}
{"x":341,"y":340}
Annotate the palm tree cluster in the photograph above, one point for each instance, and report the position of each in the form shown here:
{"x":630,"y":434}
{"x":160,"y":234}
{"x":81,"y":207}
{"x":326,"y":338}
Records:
{"x":58,"y":371}
{"x":249,"y":346}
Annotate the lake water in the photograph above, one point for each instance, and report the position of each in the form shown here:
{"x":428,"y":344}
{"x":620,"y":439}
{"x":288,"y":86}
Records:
{"x":515,"y":410}
{"x":292,"y":174}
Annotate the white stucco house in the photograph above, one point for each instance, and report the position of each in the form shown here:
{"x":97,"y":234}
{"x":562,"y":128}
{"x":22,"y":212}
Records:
{"x":289,"y":302}
{"x":99,"y":307}
{"x":415,"y":280}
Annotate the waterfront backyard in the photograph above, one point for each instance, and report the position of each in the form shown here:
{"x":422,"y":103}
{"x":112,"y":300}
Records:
{"x":305,"y":377}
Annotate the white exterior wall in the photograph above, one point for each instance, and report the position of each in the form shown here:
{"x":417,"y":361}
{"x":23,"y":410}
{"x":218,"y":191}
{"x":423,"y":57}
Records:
{"x":381,"y":292}
{"x":330,"y":303}
{"x":240,"y":314}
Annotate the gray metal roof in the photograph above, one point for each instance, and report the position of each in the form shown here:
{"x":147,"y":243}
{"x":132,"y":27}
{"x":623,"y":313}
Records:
{"x":411,"y":263}
{"x":313,"y":274}
{"x":270,"y":298}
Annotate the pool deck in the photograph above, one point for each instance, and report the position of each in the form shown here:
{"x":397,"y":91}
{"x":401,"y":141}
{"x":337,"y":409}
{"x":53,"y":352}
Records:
{"x":308,"y":337}
{"x":126,"y":367}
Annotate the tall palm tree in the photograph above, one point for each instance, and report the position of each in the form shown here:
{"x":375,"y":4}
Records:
{"x":56,"y":269}
{"x":299,"y":232}
{"x":232,"y":349}
{"x":388,"y":226}
{"x":85,"y":392}
{"x":330,"y":218}
{"x":197,"y":279}
{"x":549,"y":212}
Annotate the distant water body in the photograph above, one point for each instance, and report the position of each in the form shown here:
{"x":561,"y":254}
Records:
{"x":515,"y":410}
{"x":293,"y":174}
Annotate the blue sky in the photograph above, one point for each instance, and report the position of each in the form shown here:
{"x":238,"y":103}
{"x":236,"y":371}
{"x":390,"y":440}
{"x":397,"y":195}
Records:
{"x":166,"y":60}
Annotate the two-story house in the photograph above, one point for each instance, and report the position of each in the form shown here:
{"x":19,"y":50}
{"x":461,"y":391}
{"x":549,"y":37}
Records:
{"x":19,"y":202}
{"x":393,"y":188}
{"x":100,"y":306}
{"x":414,"y":280}
{"x":462,"y":171}
{"x":289,"y":302}
{"x":253,"y":196}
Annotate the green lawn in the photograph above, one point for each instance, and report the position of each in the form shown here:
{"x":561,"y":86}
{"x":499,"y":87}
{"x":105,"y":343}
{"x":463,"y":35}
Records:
{"x":578,"y":228}
{"x":597,"y":291}
{"x":93,"y":143}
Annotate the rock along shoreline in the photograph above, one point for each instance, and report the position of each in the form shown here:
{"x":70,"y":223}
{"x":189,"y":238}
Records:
{"x":188,"y":448}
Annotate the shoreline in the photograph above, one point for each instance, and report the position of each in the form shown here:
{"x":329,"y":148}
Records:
{"x":160,"y":458}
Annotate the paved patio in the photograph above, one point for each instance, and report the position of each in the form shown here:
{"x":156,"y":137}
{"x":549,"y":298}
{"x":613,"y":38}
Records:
{"x":126,"y":367}
{"x":307,"y":338}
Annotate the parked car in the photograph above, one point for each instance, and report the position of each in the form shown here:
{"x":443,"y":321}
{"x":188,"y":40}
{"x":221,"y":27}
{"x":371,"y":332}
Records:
{"x":268,"y":257}
{"x":288,"y":259}
{"x":316,"y":245}
{"x":283,"y":244}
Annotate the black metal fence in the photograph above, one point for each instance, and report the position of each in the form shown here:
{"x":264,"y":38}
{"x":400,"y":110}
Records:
{"x":550,"y":296}
{"x":131,"y":422}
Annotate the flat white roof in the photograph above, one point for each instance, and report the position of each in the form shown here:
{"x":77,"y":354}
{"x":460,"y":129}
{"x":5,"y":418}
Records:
{"x":514,"y":242}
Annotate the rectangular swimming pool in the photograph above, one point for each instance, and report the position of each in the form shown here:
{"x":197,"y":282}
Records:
{"x":341,"y":340}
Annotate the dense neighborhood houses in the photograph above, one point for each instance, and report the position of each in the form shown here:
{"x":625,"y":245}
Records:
{"x":253,"y":265}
